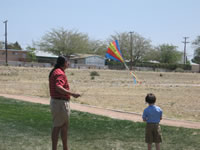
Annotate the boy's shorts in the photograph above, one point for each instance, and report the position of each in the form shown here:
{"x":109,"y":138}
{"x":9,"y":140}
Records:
{"x":153,"y":133}
{"x":60,"y":110}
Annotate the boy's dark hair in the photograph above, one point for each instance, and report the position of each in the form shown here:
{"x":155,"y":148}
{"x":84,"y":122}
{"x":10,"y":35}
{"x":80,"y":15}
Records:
{"x":150,"y":98}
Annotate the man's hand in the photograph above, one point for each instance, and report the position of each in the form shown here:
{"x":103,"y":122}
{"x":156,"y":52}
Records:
{"x":75,"y":95}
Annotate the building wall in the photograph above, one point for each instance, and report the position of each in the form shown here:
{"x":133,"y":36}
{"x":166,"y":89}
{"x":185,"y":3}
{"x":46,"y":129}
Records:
{"x":13,"y":55}
{"x":50,"y":60}
{"x":195,"y":68}
{"x":88,"y":62}
{"x":95,"y":60}
{"x":81,"y":61}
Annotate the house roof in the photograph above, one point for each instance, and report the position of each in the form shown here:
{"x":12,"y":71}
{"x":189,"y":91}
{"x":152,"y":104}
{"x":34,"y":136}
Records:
{"x":194,"y":63}
{"x":81,"y":56}
{"x":44,"y":54}
{"x":75,"y":56}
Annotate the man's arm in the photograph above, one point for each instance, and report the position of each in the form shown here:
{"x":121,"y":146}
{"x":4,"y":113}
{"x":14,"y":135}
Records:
{"x":63,"y":91}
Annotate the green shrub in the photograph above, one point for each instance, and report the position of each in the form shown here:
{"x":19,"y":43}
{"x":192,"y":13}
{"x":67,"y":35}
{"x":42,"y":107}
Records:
{"x":94,"y":73}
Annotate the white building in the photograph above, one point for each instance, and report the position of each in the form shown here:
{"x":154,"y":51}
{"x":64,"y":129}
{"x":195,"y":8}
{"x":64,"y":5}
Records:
{"x":195,"y":67}
{"x":87,"y":61}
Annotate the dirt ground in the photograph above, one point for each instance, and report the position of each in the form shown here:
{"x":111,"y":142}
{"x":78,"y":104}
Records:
{"x":108,"y":112}
{"x":177,"y":93}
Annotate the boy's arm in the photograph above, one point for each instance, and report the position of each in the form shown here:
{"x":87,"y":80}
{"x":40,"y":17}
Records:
{"x":144,"y":120}
{"x":161,"y":115}
{"x":144,"y":117}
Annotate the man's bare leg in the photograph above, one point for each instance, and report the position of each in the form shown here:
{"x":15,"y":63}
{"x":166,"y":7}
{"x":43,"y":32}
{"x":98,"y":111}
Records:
{"x":54,"y":137}
{"x":149,"y":146}
{"x":157,"y":146}
{"x":64,"y":132}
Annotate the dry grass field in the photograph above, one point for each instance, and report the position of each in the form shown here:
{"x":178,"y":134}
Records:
{"x":178,"y":94}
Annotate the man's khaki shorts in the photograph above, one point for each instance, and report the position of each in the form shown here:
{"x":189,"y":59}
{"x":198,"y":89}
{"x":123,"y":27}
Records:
{"x":60,"y":110}
{"x":153,"y":133}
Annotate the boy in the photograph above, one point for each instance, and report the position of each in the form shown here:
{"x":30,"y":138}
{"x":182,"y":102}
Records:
{"x":152,"y":116}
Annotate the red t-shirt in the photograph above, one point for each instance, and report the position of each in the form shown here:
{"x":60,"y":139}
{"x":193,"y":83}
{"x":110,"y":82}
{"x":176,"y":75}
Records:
{"x":58,"y":78}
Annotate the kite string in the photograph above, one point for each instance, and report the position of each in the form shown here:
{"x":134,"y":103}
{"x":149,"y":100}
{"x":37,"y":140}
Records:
{"x":75,"y":89}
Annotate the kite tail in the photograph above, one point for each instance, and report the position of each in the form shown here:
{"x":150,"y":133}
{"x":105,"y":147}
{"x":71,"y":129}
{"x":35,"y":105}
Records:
{"x":135,"y":79}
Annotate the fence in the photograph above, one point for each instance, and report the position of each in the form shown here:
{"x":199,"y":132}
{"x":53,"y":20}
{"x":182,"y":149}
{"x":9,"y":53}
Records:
{"x":26,"y":64}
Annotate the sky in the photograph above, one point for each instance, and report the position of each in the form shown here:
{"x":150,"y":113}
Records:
{"x":161,"y":21}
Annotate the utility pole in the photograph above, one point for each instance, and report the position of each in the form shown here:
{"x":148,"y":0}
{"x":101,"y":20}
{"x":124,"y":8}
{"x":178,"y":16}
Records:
{"x":6,"y":45}
{"x":185,"y":42}
{"x":131,"y":50}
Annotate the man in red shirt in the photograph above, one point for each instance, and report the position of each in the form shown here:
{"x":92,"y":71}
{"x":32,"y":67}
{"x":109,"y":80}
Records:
{"x":60,"y":96}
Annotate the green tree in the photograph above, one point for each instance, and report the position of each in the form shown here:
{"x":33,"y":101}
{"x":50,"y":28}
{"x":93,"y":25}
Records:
{"x":168,"y":54}
{"x":97,"y":47}
{"x":14,"y":46}
{"x":64,"y":42}
{"x":152,"y":54}
{"x":140,"y":45}
{"x":1,"y":45}
{"x":31,"y":54}
{"x":196,"y":45}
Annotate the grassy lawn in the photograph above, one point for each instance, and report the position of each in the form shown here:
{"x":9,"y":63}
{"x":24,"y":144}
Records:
{"x":27,"y":126}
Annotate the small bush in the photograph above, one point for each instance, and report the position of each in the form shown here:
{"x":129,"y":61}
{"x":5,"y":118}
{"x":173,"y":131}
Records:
{"x":94,"y":73}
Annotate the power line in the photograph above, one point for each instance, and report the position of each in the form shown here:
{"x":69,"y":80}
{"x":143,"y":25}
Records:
{"x":185,"y":42}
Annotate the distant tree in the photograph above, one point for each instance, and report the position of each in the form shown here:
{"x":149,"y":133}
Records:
{"x":14,"y":46}
{"x":1,"y":45}
{"x":97,"y":47}
{"x":64,"y":42}
{"x":31,"y":53}
{"x":152,"y":54}
{"x":140,"y":45}
{"x":168,"y":54}
{"x":196,"y":45}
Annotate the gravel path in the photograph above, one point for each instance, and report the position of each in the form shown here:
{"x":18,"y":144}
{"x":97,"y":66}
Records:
{"x":108,"y":112}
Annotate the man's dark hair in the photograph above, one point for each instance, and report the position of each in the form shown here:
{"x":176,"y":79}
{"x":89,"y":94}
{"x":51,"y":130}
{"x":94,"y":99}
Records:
{"x":150,"y":98}
{"x":59,"y":63}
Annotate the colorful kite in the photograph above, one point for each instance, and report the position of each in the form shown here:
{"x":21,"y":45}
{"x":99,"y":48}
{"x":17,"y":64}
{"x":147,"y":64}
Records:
{"x":115,"y":53}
